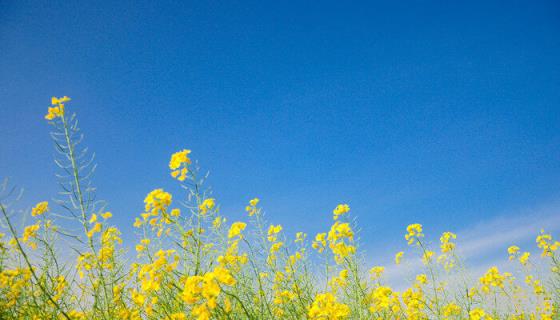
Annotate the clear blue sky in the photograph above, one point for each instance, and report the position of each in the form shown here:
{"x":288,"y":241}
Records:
{"x":410,"y":111}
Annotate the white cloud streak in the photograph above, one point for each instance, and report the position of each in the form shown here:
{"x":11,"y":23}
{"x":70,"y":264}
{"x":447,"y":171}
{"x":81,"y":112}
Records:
{"x":485,"y":243}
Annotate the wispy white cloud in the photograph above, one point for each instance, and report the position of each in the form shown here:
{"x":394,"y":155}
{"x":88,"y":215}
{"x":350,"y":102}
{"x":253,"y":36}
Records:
{"x":484,"y":244}
{"x":505,"y":230}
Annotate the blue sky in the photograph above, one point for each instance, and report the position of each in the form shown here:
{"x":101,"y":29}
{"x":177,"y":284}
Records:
{"x":447,"y":114}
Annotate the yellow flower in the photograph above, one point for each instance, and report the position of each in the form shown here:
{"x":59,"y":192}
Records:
{"x":156,"y":202}
{"x":340,"y":210}
{"x":427,"y":256}
{"x":325,"y":306}
{"x":300,"y":237}
{"x":252,"y":207}
{"x":175,"y":212}
{"x":275,"y":247}
{"x":204,"y":290}
{"x":376,"y":272}
{"x":340,"y":231}
{"x":58,"y":108}
{"x":340,"y":239}
{"x":142,"y":246}
{"x":422,"y":279}
{"x":217,"y":223}
{"x":547,"y":244}
{"x":137,"y":223}
{"x":59,"y":287}
{"x":179,"y":164}
{"x":93,"y":218}
{"x":446,"y":244}
{"x":207,"y":204}
{"x":106,"y":215}
{"x":524,"y":258}
{"x":398,"y":257}
{"x":383,"y":298}
{"x":281,"y":297}
{"x":492,"y":278}
{"x":56,"y":101}
{"x":451,"y":310}
{"x":178,"y":316}
{"x":40,"y":208}
{"x":273,"y":232}
{"x":478,"y":314}
{"x":235,"y":229}
{"x":414,"y":233}
{"x":29,"y":233}
{"x":320,"y":242}
{"x":138,"y":298}
{"x":513,"y":250}
{"x":223,"y":276}
{"x":96,"y":228}
{"x":76,"y":315}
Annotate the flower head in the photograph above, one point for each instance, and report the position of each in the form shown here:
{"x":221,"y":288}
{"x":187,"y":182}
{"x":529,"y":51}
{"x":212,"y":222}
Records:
{"x":40,"y":208}
{"x":57,"y":109}
{"x":179,"y":164}
{"x":236,"y":229}
{"x":398,"y":257}
{"x":326,"y":306}
{"x":414,"y":233}
{"x":340,"y":210}
{"x":206,"y":205}
{"x":252,"y":207}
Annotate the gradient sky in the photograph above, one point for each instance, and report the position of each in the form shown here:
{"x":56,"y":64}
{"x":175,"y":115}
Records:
{"x":435,"y":112}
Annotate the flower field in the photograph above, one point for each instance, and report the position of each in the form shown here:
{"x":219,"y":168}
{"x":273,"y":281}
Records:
{"x":191,"y":262}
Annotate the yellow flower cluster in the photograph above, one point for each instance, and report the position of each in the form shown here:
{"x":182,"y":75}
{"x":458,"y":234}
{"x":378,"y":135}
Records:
{"x":340,"y":239}
{"x":325,"y":306}
{"x":204,"y":291}
{"x":252,"y":207}
{"x":40,"y":208}
{"x":179,"y":164}
{"x":156,"y":202}
{"x":57,"y":109}
{"x":376,"y":272}
{"x":451,"y":310}
{"x":156,"y":215}
{"x":479,"y":314}
{"x":152,"y":274}
{"x":339,"y":282}
{"x":207,"y":205}
{"x":514,"y":252}
{"x":398,"y":257}
{"x":383,"y":299}
{"x":414,"y":303}
{"x":30,"y":234}
{"x":493,"y":278}
{"x":232,"y":259}
{"x":547,"y":244}
{"x":109,"y":238}
{"x":84,"y":263}
{"x":236,"y":229}
{"x":320,"y":242}
{"x":446,"y":244}
{"x":300,"y":237}
{"x":414,"y":233}
{"x":16,"y":282}
{"x":273,"y":232}
{"x":340,"y":210}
